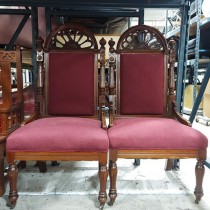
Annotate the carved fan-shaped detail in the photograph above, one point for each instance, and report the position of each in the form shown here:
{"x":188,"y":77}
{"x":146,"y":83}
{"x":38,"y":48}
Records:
{"x":142,"y":37}
{"x":71,"y":36}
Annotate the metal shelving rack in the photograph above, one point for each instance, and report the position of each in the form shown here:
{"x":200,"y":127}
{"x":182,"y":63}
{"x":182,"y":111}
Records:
{"x":196,"y":62}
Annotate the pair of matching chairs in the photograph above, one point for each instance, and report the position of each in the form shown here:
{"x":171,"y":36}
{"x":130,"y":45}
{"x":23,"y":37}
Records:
{"x":69,"y":120}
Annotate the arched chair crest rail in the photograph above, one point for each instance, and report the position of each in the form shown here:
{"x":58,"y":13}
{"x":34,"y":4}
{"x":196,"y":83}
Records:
{"x":143,"y":120}
{"x":11,"y":101}
{"x":69,"y":118}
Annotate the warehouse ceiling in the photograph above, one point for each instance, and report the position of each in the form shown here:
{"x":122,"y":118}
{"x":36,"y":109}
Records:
{"x":101,"y":17}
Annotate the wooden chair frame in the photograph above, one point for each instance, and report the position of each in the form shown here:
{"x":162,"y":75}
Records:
{"x":127,"y":41}
{"x":73,"y":45}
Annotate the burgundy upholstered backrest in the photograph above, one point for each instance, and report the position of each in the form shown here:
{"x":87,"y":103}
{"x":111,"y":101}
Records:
{"x":142,"y":87}
{"x":71,"y":83}
{"x":141,"y":72}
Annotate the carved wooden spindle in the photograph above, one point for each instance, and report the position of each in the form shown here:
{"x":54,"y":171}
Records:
{"x":111,"y":67}
{"x":102,"y":67}
{"x":111,"y":81}
{"x":199,"y":173}
{"x":9,"y":120}
{"x":172,"y":57}
{"x":171,"y":83}
{"x":40,"y":74}
{"x":40,"y":59}
{"x":102,"y":82}
{"x":4,"y":123}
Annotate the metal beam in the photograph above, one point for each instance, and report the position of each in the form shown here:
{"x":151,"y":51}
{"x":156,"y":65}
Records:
{"x":17,"y":32}
{"x":141,"y":16}
{"x":96,"y":13}
{"x":107,"y":3}
{"x":181,"y":56}
{"x":48,"y":20}
{"x":15,"y":11}
{"x":35,"y":35}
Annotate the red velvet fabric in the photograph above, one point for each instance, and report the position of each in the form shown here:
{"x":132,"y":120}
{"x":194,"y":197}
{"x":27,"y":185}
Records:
{"x":141,"y":83}
{"x":59,"y":134}
{"x":154,"y":133}
{"x":71,"y":83}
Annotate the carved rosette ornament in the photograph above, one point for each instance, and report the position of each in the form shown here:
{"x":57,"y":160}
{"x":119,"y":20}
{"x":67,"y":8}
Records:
{"x":142,"y":37}
{"x":71,"y":36}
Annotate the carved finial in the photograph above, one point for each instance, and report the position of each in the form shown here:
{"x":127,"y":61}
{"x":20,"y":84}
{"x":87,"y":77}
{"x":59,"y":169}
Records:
{"x":102,"y":51}
{"x":111,"y":45}
{"x":39,"y":47}
{"x":102,"y":42}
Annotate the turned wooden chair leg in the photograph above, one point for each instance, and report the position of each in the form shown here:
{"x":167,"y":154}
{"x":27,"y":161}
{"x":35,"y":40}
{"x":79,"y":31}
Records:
{"x":12,"y":176}
{"x":172,"y":164}
{"x":169,"y":165}
{"x":113,"y":180}
{"x":103,"y":174}
{"x":199,"y":173}
{"x":2,"y":182}
{"x":42,"y":166}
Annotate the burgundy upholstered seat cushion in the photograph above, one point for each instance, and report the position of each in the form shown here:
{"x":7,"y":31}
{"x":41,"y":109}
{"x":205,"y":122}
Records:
{"x":59,"y":134}
{"x":154,"y":133}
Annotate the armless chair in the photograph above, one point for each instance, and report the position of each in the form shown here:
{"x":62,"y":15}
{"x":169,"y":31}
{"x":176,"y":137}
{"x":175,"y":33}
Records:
{"x":69,"y":119}
{"x":144,"y":122}
{"x":11,"y":101}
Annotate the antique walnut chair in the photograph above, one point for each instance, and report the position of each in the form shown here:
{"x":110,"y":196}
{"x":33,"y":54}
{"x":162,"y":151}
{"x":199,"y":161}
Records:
{"x":69,"y":119}
{"x":11,"y":101}
{"x":144,"y":122}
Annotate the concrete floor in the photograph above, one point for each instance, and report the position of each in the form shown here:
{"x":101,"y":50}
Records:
{"x":74,"y":186}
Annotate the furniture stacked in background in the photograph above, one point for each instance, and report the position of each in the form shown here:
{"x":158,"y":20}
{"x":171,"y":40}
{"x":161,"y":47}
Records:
{"x":143,"y":119}
{"x":11,"y":101}
{"x":16,"y":102}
